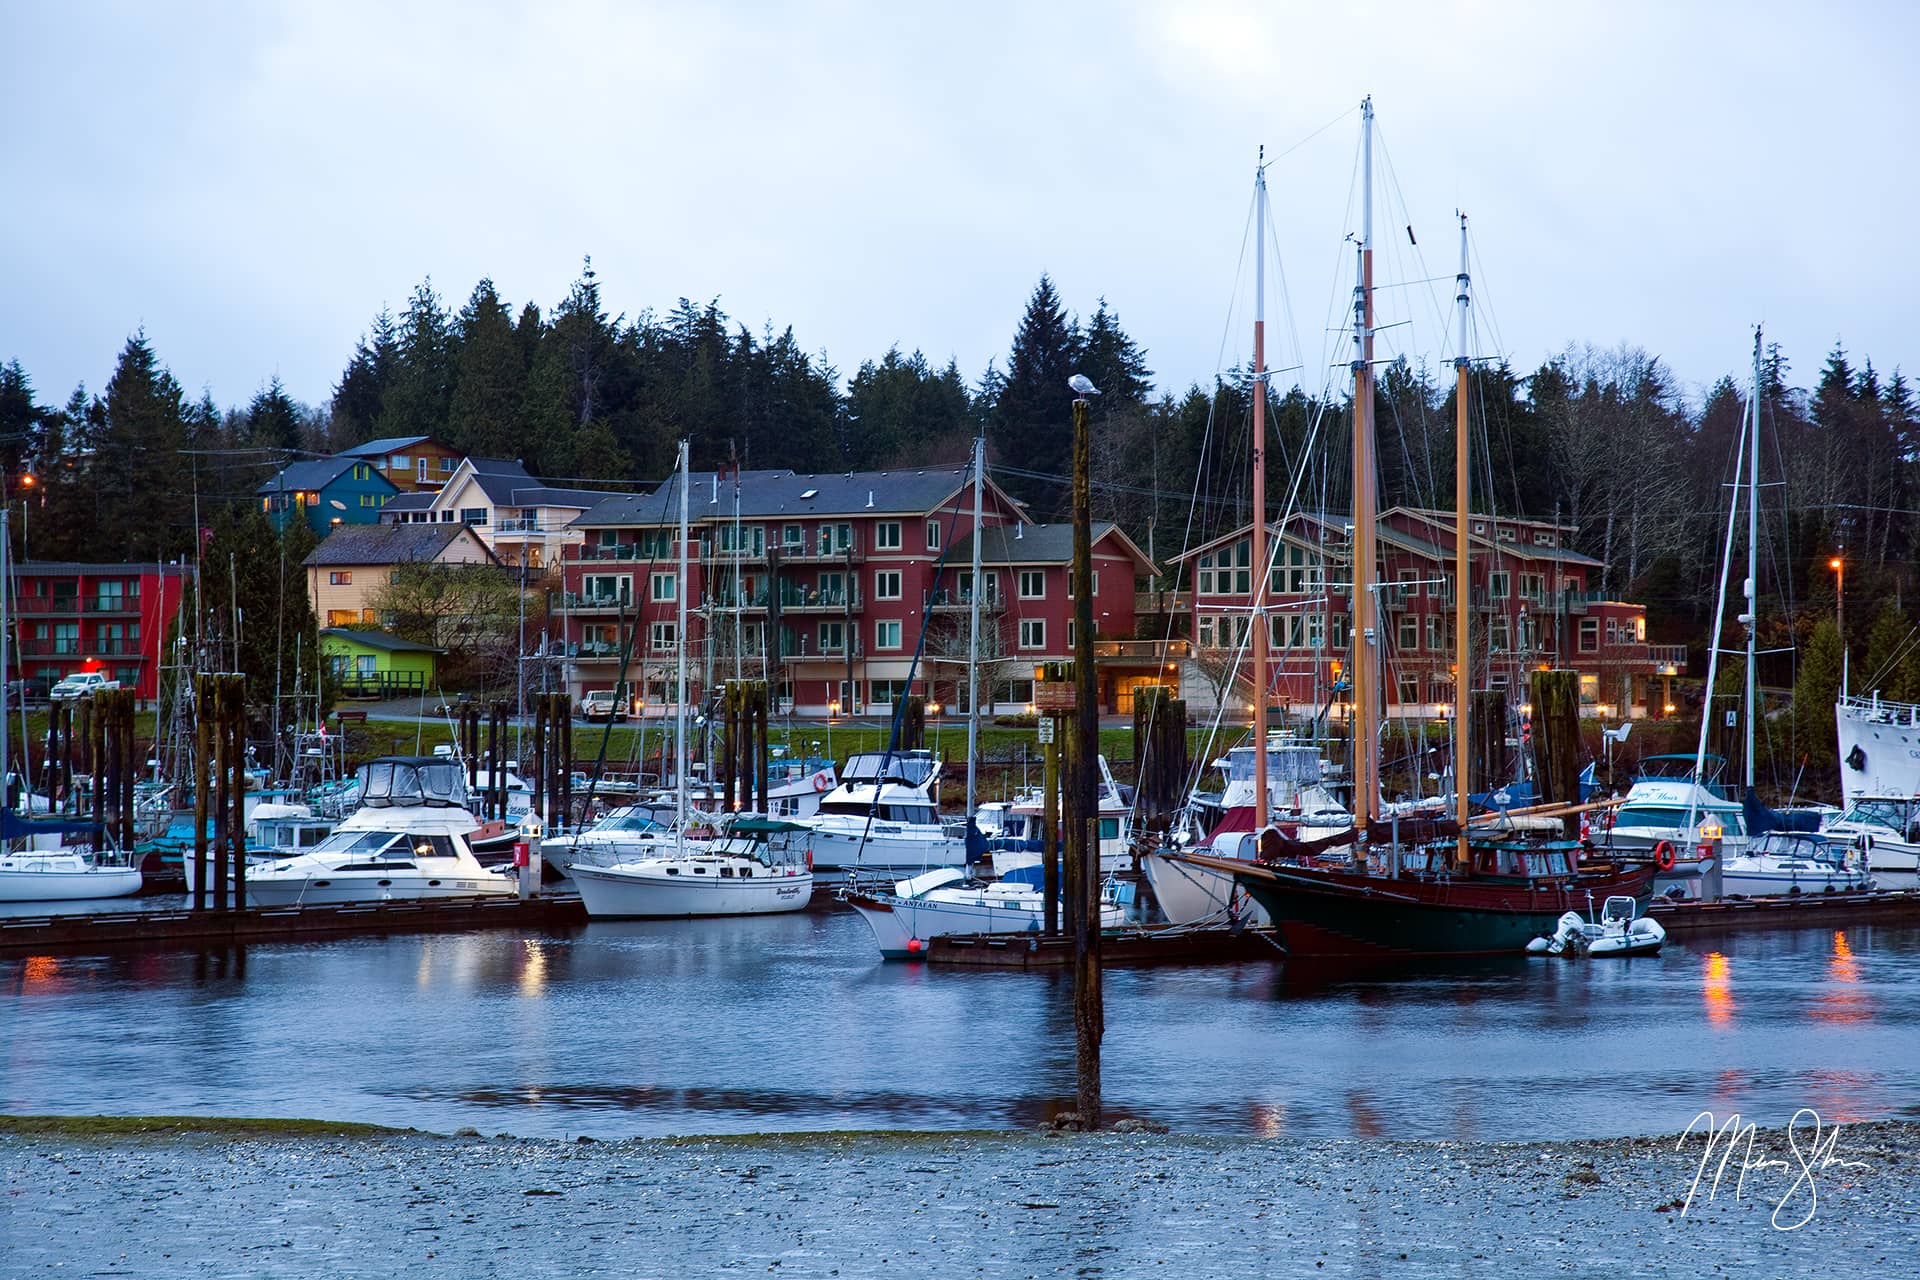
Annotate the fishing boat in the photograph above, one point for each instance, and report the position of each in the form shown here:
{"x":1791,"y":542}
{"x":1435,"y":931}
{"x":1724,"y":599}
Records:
{"x":946,"y":901}
{"x":882,"y":820}
{"x":1794,"y":862}
{"x":1619,"y":931}
{"x":757,"y":867}
{"x":408,"y":840}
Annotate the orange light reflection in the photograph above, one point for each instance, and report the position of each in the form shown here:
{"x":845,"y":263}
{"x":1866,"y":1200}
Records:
{"x":1718,"y":990}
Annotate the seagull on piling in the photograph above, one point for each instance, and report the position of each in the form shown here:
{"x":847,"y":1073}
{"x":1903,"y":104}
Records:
{"x":1082,"y":385}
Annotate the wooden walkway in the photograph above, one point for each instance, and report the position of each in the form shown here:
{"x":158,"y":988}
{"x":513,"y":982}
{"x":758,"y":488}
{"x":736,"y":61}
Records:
{"x":1802,"y":911}
{"x":1126,"y":947}
{"x":169,"y":930}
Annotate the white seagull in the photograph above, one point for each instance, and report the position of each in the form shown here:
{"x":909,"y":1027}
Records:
{"x":1082,"y":385}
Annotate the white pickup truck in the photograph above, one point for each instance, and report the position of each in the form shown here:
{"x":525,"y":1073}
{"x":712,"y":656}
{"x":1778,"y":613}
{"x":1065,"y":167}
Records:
{"x":599,"y":704}
{"x":80,"y":684}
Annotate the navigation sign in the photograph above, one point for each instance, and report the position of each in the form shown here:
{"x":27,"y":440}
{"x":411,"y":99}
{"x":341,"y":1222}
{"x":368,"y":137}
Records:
{"x":1046,"y":730}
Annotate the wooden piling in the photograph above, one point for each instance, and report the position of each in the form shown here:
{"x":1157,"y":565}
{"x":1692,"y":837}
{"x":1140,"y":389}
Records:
{"x":1556,"y":739}
{"x":913,"y":723}
{"x":1487,"y":759}
{"x":1050,"y":828}
{"x":762,"y":694}
{"x":202,"y":770}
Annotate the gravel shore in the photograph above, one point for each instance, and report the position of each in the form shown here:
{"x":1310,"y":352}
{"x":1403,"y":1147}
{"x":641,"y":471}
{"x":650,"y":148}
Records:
{"x":258,"y":1202}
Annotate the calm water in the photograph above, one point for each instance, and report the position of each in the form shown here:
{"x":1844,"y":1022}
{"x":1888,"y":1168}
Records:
{"x":792,"y":1023}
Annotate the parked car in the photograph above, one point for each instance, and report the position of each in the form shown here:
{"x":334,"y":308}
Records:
{"x":27,"y":691}
{"x":600,"y":705}
{"x":80,"y":684}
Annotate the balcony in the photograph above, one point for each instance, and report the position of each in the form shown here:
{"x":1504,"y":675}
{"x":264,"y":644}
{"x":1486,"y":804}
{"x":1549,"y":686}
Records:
{"x":572,"y":603}
{"x":794,"y":599}
{"x":1150,"y":602}
{"x":737,"y":555}
{"x":519,"y":524}
{"x":76,"y":604}
{"x":952,"y":601}
{"x":814,"y":553}
{"x":1670,"y":659}
{"x":825,"y":655}
{"x":1140,"y":650}
{"x":666,"y":553}
{"x":62,"y":648}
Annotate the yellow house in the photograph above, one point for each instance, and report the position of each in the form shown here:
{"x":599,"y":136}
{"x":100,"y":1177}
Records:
{"x":345,"y":573}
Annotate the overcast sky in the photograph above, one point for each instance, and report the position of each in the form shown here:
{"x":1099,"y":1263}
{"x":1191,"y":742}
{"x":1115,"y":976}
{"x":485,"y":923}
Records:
{"x":251,"y":182}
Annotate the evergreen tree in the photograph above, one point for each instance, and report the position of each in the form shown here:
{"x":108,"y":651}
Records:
{"x":1892,"y":662}
{"x":1031,"y":421}
{"x":904,"y":413}
{"x":1814,"y":693}
{"x":361,"y":394}
{"x":138,"y":473}
{"x":570,"y":371}
{"x":22,"y":421}
{"x":252,"y":580}
{"x":489,"y":379}
{"x":1115,"y":363}
{"x":273,"y":419}
{"x":417,"y":397}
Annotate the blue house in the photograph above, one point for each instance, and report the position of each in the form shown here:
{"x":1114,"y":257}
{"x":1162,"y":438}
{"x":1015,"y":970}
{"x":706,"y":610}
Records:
{"x":326,"y":492}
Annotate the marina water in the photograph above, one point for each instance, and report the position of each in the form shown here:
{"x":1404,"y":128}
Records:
{"x":790,"y":1023}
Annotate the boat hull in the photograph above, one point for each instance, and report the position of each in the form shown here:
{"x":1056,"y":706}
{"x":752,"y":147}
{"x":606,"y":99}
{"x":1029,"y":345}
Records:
{"x":331,"y":889}
{"x":27,"y":878}
{"x":618,"y":893}
{"x":880,"y":854}
{"x":903,"y":926}
{"x":1338,"y":915}
{"x":1188,"y":893}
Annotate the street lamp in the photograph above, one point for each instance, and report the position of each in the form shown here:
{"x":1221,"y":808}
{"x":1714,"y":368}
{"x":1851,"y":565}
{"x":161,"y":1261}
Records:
{"x":1839,"y":568}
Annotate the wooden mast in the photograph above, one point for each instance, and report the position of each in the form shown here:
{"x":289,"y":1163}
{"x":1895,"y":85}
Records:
{"x":1462,"y":491}
{"x":1366,"y":745}
{"x":1259,"y":549}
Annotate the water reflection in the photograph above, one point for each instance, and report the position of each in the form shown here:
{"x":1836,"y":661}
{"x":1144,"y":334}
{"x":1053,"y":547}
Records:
{"x":790,"y":1023}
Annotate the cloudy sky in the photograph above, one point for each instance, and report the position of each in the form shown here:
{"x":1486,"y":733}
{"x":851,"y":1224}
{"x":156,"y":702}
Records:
{"x":251,"y":182}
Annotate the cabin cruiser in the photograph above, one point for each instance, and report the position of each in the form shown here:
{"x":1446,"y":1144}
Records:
{"x":1670,"y":803}
{"x":1887,"y":828}
{"x":629,"y":833}
{"x":757,"y":868}
{"x":1014,"y":834}
{"x":276,"y":830}
{"x":882,"y":820}
{"x":945,"y":901}
{"x":1794,"y":862}
{"x":407,"y":840}
{"x":37,"y":865}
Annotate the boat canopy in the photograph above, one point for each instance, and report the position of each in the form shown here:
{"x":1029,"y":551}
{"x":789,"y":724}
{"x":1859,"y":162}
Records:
{"x":762,"y":826}
{"x":412,"y":780}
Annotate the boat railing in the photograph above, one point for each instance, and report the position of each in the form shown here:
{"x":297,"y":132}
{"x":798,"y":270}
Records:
{"x":1874,"y":709}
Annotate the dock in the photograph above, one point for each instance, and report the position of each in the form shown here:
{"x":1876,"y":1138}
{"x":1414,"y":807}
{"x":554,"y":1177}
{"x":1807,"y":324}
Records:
{"x":1802,"y":911}
{"x":173,"y":930}
{"x":1126,"y":947}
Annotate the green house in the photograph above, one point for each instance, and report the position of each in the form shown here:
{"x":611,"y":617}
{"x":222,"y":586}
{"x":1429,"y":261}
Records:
{"x":374,"y":664}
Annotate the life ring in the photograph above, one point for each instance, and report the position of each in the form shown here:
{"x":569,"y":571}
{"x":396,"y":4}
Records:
{"x":809,"y":857}
{"x":822,"y":781}
{"x":1663,"y":856}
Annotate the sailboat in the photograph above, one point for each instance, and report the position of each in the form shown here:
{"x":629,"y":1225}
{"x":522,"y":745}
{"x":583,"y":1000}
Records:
{"x":1464,"y":897}
{"x":758,"y":870}
{"x":36,"y":864}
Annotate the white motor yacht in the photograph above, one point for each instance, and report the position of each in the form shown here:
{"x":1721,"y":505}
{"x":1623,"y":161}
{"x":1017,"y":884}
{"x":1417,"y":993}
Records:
{"x":40,"y":869}
{"x":942,"y":902}
{"x":1794,"y":862}
{"x":630,"y":833}
{"x":408,"y":839}
{"x":882,"y":820}
{"x":1888,"y":829}
{"x":757,"y":868}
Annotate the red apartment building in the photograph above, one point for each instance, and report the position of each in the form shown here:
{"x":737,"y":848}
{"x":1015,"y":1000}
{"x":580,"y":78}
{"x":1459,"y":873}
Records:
{"x":111,"y":618}
{"x":1532,"y":605}
{"x":824,"y":585}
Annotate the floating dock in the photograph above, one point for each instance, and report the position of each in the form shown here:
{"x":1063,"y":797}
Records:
{"x":168,"y":930}
{"x":1127,"y":947}
{"x":1799,"y":911}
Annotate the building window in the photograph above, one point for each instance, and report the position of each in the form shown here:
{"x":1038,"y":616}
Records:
{"x":1409,"y":690}
{"x":340,"y":578}
{"x":474,"y":516}
{"x":1532,"y":587}
{"x":421,"y":474}
{"x":1613,"y":633}
{"x":1506,"y":533}
{"x":1640,"y":630}
{"x":886,"y":584}
{"x":886,"y":635}
{"x":933,"y":535}
{"x":792,"y":536}
{"x":1316,"y":630}
{"x":1409,"y":633}
{"x":1206,"y":631}
{"x":886,"y":535}
{"x":1544,"y":540}
{"x":446,"y":466}
{"x":661,"y":636}
{"x":663,"y":586}
{"x":1033,"y":633}
{"x":1498,"y":585}
{"x":1435,"y":644}
{"x":1205,"y":574}
{"x":400,"y":462}
{"x":1589,"y":635}
{"x":833,"y":637}
{"x":1033,"y":584}
{"x":1342,"y":631}
{"x":1096,"y":583}
{"x":1499,"y":639}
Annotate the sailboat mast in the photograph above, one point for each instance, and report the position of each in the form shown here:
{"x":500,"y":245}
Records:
{"x":1366,"y":784}
{"x":1259,"y":459}
{"x":680,"y":689}
{"x":1753,"y":556}
{"x":1462,"y":496}
{"x":973,"y":629}
{"x":6,"y":665}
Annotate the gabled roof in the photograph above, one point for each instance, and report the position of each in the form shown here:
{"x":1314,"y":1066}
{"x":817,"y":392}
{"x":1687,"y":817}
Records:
{"x":377,"y":640}
{"x":413,"y":500}
{"x":542,"y":494}
{"x":774,"y":495}
{"x":497,"y":478}
{"x":1275,"y":529}
{"x":386,"y":444}
{"x":354,"y":544}
{"x":1007,"y":544}
{"x":313,"y":473}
